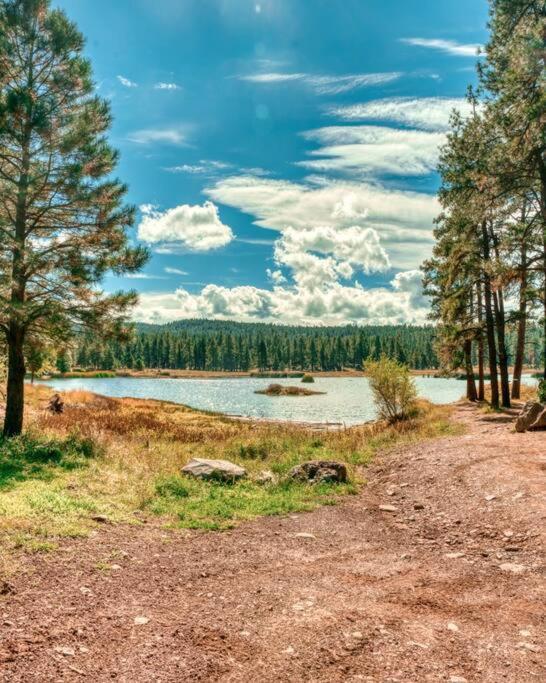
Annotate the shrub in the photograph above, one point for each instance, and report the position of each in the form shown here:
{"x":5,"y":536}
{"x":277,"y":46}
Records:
{"x":258,"y":451}
{"x":308,"y":379}
{"x":542,"y":391}
{"x":393,"y":388}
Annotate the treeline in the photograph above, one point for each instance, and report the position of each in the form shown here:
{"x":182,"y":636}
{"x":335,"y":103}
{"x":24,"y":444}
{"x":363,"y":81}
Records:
{"x":488,"y":271}
{"x":229,"y":346}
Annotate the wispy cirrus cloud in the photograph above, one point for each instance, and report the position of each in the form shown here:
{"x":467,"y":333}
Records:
{"x":427,"y":113}
{"x":450,"y":47}
{"x":325,"y":84}
{"x":202,"y":167}
{"x":126,"y":82}
{"x":174,"y":136}
{"x":374,"y":150}
{"x":175,"y":271}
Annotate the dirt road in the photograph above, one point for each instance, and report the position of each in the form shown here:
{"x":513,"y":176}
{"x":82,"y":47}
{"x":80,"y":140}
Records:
{"x":445,"y":584}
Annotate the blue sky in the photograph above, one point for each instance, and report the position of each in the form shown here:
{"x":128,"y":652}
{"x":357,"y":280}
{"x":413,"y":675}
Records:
{"x":282,"y":152}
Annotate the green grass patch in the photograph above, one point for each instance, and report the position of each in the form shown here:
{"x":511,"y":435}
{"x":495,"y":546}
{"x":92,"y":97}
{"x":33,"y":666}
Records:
{"x":196,"y":504}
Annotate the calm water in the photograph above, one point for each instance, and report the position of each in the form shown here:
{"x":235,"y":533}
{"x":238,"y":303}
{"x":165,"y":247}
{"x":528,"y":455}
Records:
{"x":347,"y":400}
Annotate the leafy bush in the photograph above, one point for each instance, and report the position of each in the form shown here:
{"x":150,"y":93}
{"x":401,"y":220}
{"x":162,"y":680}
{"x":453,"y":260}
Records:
{"x":542,"y":391}
{"x":308,"y":379}
{"x":393,"y":388}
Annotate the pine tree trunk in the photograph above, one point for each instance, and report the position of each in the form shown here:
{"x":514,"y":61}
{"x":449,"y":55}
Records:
{"x":522,"y":324}
{"x":15,"y":393}
{"x":500,"y":324}
{"x":542,"y":171}
{"x":490,"y":324}
{"x":481,"y":379}
{"x":471,"y":393}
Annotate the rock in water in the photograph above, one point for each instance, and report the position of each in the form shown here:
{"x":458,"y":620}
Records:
{"x":540,"y":422}
{"x":320,"y":471}
{"x":530,"y":412}
{"x":221,"y":470}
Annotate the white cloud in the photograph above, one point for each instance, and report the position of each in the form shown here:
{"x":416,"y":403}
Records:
{"x":428,"y":113}
{"x":272,"y":77}
{"x":323,"y":84}
{"x":335,"y":304}
{"x":374,"y":150}
{"x":194,"y":228}
{"x":203,"y":167}
{"x":403,"y":220}
{"x":126,"y":83}
{"x":174,"y":136}
{"x":450,"y":47}
{"x":175,"y":271}
{"x":167,"y":86}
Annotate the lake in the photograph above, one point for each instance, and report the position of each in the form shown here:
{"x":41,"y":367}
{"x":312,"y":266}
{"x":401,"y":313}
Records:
{"x":347,"y":400}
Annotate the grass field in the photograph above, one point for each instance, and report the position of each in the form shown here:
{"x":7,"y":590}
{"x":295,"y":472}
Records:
{"x":119,"y":461}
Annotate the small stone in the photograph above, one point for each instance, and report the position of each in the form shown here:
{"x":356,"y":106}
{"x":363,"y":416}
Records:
{"x":490,"y":497}
{"x":512,"y":567}
{"x":66,"y":651}
{"x":289,"y":650}
{"x":357,"y":635}
{"x":388,"y":508}
{"x":115,"y":567}
{"x":245,"y":634}
{"x":457,"y":679}
{"x":512,"y":548}
{"x":141,"y":621}
{"x":305,"y":535}
{"x":84,"y":650}
{"x":265,"y":477}
{"x":528,"y":646}
{"x":418,"y":506}
{"x":85,"y":590}
{"x":508,"y":533}
{"x":454,"y":556}
{"x":525,"y":634}
{"x":452,"y":627}
{"x":518,"y":495}
{"x":101,"y":519}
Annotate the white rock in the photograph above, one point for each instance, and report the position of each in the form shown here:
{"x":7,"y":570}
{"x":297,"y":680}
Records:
{"x":305,"y":535}
{"x":452,"y":627}
{"x":141,"y":621}
{"x":388,"y":508}
{"x":512,"y":567}
{"x":222,"y":470}
{"x":490,"y":497}
{"x":457,"y":679}
{"x":66,"y":651}
{"x":525,"y":634}
{"x":454,"y":556}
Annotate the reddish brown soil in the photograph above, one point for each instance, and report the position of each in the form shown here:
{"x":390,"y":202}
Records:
{"x":413,"y":595}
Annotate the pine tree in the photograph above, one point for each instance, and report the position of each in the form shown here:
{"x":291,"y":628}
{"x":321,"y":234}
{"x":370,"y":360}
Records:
{"x":62,"y":222}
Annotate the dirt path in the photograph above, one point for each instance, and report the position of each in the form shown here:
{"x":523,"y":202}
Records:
{"x":449,"y":587}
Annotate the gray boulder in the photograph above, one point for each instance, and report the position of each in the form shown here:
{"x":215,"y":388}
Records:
{"x":219,"y":470}
{"x":529,"y":413}
{"x":540,"y":422}
{"x":320,"y":471}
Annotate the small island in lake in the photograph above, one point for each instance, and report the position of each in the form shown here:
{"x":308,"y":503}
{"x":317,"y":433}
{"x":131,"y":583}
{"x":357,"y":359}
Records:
{"x":280,"y":390}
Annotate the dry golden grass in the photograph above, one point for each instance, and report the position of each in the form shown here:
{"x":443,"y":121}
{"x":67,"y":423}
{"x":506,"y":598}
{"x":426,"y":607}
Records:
{"x":121,"y":458}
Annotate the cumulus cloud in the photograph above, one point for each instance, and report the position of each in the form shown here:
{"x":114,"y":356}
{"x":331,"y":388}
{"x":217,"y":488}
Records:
{"x":327,"y":305}
{"x":194,"y":228}
{"x":373,"y":150}
{"x":450,"y":47}
{"x":325,"y":84}
{"x":428,"y":113}
{"x":126,"y":82}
